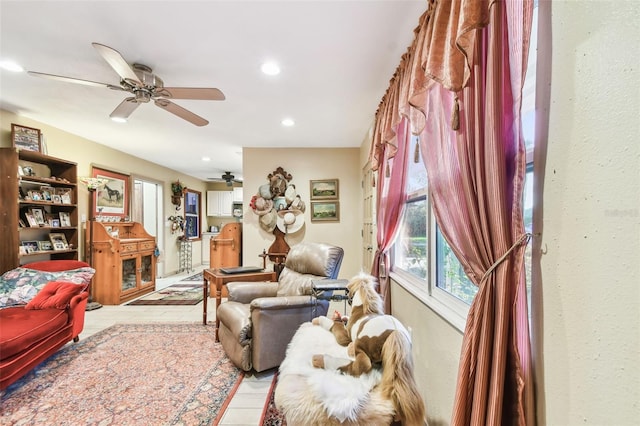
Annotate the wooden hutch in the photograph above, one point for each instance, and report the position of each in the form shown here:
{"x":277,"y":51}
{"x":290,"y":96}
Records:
{"x":125,"y":262}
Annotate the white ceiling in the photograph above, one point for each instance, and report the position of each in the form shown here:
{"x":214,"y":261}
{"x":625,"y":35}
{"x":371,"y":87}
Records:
{"x":336,"y":57}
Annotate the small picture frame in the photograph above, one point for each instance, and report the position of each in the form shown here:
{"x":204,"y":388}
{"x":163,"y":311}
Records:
{"x":27,"y":138}
{"x":30,"y":246}
{"x":59,"y":241}
{"x":35,"y":195}
{"x":65,"y":195}
{"x":21,"y":223}
{"x":325,"y":211}
{"x":31,"y":220}
{"x":38,"y":214}
{"x":65,"y":219}
{"x":47,"y":192}
{"x":55,"y":223}
{"x":325,"y":189}
{"x":56,"y":199}
{"x":45,"y":245}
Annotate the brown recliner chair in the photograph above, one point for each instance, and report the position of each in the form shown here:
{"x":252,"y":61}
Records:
{"x":259,"y":318}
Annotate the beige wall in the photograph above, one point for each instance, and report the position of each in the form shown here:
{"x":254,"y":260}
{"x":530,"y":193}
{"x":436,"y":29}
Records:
{"x":585,"y":319}
{"x":85,"y":152}
{"x":306,"y":164}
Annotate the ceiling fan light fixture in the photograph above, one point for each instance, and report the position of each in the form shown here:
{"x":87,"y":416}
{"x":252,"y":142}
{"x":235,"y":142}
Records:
{"x":119,"y":119}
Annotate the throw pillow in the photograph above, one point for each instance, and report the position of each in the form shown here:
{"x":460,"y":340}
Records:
{"x":56,"y":294}
{"x":18,"y":286}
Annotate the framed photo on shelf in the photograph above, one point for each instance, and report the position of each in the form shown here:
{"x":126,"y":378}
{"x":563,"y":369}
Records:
{"x":65,"y":219}
{"x":30,"y":246}
{"x":113,"y":198}
{"x":325,"y":189}
{"x":55,"y":223}
{"x":47,"y":192}
{"x":65,"y":195}
{"x":31,"y":220}
{"x":56,"y":198}
{"x":45,"y":245}
{"x":27,"y":138}
{"x":35,"y":195}
{"x":59,"y":241}
{"x":325,"y":211}
{"x":38,"y":214}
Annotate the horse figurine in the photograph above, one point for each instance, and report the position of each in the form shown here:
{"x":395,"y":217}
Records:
{"x":375,"y":339}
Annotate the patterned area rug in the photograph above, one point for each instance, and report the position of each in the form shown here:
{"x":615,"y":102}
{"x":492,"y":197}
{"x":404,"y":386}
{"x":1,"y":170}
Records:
{"x":196,"y":277}
{"x":175,"y":294}
{"x":128,"y":374}
{"x":271,"y":416}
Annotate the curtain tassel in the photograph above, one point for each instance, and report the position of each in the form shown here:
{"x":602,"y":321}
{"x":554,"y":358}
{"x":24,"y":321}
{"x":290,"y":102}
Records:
{"x":416,"y":152}
{"x":455,"y":114}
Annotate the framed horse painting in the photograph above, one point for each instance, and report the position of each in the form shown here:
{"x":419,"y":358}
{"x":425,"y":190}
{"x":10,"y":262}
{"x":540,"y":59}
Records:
{"x":111,"y":201}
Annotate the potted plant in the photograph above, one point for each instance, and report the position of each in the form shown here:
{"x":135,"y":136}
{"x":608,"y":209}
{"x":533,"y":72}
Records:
{"x":177,"y":188}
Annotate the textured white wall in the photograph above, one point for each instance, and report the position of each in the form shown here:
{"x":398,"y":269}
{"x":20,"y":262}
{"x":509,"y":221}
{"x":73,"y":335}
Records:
{"x":591,"y":236}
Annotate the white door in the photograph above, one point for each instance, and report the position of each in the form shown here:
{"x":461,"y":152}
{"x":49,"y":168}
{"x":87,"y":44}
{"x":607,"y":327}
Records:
{"x":146,"y":208}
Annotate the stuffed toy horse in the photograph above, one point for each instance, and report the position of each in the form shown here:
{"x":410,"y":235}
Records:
{"x":375,"y":339}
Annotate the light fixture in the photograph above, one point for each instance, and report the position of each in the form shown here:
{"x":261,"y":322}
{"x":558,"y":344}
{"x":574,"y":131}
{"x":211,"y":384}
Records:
{"x":270,"y":68}
{"x":288,"y":122}
{"x":119,"y":119}
{"x":11,"y":66}
{"x":206,"y":158}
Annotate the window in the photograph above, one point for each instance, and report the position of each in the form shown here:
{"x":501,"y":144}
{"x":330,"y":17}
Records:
{"x":192,"y":213}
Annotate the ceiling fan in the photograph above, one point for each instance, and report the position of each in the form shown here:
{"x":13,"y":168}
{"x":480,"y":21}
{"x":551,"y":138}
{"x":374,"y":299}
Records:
{"x":228,"y":178}
{"x":145,"y":86}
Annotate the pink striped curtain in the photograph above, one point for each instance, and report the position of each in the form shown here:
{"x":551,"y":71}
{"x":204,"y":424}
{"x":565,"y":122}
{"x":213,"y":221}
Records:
{"x":470,"y":55}
{"x":391,"y":195}
{"x":476,"y":178}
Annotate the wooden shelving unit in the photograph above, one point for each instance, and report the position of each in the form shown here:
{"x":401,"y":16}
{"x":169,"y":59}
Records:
{"x":43,"y":171}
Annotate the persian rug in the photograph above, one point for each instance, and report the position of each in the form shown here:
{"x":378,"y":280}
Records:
{"x":175,"y":294}
{"x":271,"y":416}
{"x":128,"y":374}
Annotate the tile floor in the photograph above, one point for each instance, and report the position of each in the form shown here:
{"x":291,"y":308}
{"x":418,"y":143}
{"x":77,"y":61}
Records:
{"x":248,"y":402}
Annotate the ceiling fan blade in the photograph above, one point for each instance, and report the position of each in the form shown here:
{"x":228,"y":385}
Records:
{"x":202,"y":93}
{"x":125,"y":108}
{"x":73,"y":80}
{"x":117,"y":62}
{"x":181,"y":112}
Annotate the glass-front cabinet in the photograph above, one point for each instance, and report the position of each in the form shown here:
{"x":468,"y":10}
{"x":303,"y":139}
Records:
{"x":125,"y":262}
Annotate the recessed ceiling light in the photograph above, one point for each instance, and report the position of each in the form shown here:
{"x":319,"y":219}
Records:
{"x":206,"y":158}
{"x":119,"y":119}
{"x":11,"y":66}
{"x":270,"y":68}
{"x":288,"y":122}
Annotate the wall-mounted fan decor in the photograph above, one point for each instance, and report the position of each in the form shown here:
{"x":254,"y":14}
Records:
{"x":145,"y":86}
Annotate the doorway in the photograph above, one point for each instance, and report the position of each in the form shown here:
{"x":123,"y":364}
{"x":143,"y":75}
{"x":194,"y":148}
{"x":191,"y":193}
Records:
{"x":147,"y":209}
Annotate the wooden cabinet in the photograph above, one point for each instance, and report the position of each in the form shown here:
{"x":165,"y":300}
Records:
{"x":46,"y":192}
{"x":226,"y":248}
{"x":219,"y":203}
{"x":124,"y":260}
{"x":237,"y":194}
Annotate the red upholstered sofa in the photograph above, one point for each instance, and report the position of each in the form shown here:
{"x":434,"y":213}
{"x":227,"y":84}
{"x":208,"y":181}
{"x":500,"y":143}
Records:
{"x":29,"y":336}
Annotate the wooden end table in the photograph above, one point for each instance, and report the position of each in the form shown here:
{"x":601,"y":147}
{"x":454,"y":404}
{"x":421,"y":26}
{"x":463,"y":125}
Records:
{"x":220,"y":279}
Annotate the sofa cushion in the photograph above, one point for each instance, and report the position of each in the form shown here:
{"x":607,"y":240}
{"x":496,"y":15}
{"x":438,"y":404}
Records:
{"x":55,"y":294}
{"x":20,"y":285}
{"x":21,"y":328}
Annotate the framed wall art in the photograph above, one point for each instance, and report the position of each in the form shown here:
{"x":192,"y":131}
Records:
{"x":325,"y":189}
{"x":27,"y":138}
{"x":325,"y":211}
{"x":113,"y":198}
